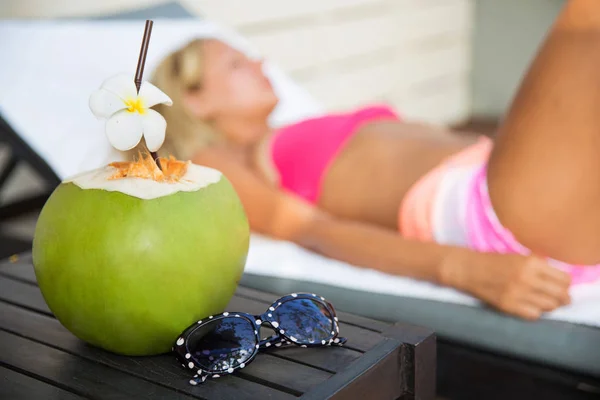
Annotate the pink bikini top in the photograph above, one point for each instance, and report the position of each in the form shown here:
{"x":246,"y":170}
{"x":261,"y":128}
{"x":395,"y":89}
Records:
{"x":302,"y":152}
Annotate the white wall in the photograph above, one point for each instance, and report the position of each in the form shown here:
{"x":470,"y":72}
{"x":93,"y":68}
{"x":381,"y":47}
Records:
{"x":414,"y":54}
{"x":67,"y":8}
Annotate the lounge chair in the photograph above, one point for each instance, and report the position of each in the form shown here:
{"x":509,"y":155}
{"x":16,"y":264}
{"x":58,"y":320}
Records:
{"x":557,"y":356}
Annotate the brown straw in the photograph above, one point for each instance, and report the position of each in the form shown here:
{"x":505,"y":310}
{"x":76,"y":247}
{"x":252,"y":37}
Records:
{"x":139,"y":72}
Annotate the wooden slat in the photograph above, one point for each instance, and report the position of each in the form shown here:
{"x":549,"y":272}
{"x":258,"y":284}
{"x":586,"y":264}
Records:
{"x":440,"y":18}
{"x":23,"y":270}
{"x":46,"y":9}
{"x":406,"y":73}
{"x":291,"y":371}
{"x":332,"y":359}
{"x":240,"y":13}
{"x":25,"y":317}
{"x":162,"y":369}
{"x":284,"y":373}
{"x":417,"y":66}
{"x":293,"y":49}
{"x":265,"y":12}
{"x":375,"y":377}
{"x":316,"y":46}
{"x":403,"y":26}
{"x":6,"y":170}
{"x":79,"y":375}
{"x":347,"y":89}
{"x":346,"y":52}
{"x":23,"y":295}
{"x":362,"y":36}
{"x":9,"y":244}
{"x":449,"y":105}
{"x":325,"y":30}
{"x":17,"y":386}
{"x":17,"y":259}
{"x":28,"y":296}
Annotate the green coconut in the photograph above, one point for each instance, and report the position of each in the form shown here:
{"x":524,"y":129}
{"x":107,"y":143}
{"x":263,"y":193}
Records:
{"x":127,"y":264}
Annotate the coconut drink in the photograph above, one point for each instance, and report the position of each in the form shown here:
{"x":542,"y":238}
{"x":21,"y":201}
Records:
{"x":128,"y":255}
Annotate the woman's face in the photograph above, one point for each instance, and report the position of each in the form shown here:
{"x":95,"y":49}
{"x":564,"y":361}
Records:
{"x":234,"y":86}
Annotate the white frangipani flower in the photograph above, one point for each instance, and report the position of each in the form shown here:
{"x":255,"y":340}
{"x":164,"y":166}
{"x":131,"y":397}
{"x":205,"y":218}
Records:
{"x":128,"y":112}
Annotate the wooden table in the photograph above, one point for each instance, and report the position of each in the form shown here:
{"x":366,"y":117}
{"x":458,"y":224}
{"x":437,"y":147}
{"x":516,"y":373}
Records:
{"x":40,"y":359}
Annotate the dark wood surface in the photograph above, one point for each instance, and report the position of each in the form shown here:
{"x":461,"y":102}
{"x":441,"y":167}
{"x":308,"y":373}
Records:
{"x":9,"y":244}
{"x":40,"y":359}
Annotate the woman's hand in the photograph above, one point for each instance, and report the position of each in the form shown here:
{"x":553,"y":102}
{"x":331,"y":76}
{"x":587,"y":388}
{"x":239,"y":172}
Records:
{"x":525,"y":286}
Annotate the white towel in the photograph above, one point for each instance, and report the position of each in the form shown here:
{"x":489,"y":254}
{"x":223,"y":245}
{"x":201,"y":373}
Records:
{"x":286,"y":260}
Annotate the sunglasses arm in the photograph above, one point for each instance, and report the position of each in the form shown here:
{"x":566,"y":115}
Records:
{"x":275,"y":340}
{"x":198,"y":379}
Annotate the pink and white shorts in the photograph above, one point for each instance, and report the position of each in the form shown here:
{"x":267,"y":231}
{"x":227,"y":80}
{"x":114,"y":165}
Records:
{"x":451,"y":205}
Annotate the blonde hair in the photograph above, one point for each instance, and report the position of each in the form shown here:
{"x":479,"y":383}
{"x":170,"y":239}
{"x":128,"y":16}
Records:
{"x":178,"y":74}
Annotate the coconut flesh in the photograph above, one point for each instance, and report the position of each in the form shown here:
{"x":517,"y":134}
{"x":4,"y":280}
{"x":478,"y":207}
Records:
{"x":127,"y":256}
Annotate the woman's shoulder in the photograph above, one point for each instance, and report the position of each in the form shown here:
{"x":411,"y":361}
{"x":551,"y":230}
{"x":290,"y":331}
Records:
{"x":223,"y":158}
{"x":213,"y":155}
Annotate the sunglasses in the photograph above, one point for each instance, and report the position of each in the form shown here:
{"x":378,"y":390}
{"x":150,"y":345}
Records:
{"x":229,"y":341}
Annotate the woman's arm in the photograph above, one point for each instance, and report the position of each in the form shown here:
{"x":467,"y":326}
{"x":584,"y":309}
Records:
{"x":379,"y":248}
{"x":525,"y":286}
{"x":515,"y":284}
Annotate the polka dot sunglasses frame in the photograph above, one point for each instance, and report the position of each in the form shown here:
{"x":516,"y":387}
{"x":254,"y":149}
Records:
{"x":221,"y":344}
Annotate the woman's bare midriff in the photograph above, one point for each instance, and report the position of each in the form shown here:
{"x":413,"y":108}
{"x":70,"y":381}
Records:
{"x":380,"y":163}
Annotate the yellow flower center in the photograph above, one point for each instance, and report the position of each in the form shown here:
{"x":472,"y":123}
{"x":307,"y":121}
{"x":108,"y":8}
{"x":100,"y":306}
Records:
{"x":135,"y":105}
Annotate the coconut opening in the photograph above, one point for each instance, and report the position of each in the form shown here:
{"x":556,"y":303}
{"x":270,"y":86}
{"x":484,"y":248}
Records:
{"x":171,"y":169}
{"x":143,"y":179}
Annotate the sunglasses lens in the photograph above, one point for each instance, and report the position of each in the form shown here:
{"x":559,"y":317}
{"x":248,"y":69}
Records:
{"x":222,"y":344}
{"x":307,"y":320}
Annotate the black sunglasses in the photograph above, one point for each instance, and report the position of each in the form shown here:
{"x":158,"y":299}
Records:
{"x":229,"y":341}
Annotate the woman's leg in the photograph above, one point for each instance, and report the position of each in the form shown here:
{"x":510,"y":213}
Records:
{"x":544,"y":172}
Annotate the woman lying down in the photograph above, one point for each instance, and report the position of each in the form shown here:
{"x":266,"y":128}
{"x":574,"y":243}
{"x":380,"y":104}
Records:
{"x":514,"y":221}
